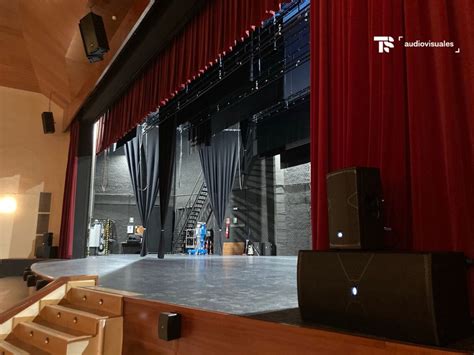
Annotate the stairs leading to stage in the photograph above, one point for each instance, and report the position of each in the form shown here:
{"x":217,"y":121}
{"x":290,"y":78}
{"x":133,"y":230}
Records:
{"x":83,"y":321}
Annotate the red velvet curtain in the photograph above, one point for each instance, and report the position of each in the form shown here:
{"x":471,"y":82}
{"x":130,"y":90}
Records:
{"x":69,"y":198}
{"x":408,"y":112}
{"x":214,"y":31}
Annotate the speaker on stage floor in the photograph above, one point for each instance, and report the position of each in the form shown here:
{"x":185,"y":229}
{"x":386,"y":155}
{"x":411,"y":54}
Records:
{"x":355,"y":208}
{"x":267,"y":249}
{"x":419,"y":297}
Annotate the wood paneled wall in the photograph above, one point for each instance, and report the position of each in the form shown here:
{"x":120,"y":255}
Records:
{"x":205,"y":332}
{"x":42,"y":49}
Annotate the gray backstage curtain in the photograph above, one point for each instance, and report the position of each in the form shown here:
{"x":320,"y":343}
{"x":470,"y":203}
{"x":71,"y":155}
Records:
{"x":143,"y":156}
{"x":219,"y":161}
{"x":166,"y":164}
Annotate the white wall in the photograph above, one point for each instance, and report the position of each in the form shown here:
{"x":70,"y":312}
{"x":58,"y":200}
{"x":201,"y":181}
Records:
{"x":30,"y":162}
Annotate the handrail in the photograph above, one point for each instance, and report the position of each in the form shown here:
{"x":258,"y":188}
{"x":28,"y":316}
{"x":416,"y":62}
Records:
{"x":193,"y":192}
{"x":187,"y":208}
{"x":53,"y":285}
{"x":206,"y":209}
{"x":188,"y":212}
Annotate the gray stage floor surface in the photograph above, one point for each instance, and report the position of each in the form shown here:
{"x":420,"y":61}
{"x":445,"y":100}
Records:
{"x":230,"y":284}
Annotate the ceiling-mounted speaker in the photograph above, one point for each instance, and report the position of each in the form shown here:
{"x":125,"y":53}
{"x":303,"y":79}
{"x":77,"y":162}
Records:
{"x":94,"y":37}
{"x":48,"y":122}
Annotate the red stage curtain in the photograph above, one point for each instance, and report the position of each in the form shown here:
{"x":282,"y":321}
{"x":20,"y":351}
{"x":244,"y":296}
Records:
{"x":408,"y":112}
{"x":69,"y":198}
{"x":211,"y":33}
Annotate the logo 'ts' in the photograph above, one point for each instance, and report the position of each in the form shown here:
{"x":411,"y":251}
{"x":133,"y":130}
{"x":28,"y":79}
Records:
{"x":385,"y":43}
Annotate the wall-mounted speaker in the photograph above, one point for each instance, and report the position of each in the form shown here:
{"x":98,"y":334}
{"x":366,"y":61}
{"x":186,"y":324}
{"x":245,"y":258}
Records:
{"x":419,"y":297}
{"x":94,"y":37}
{"x":355,"y":208}
{"x":48,"y":122}
{"x":169,"y":326}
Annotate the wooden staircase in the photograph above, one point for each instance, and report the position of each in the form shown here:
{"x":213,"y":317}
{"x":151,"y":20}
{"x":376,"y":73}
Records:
{"x":73,"y":319}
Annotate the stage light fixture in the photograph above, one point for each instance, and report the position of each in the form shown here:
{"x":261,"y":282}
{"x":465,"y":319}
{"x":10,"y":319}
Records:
{"x":7,"y":205}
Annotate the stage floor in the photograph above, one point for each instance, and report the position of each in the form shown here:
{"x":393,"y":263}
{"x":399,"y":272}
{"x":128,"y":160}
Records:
{"x":230,"y":284}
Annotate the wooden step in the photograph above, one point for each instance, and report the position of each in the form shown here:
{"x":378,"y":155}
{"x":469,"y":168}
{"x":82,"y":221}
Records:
{"x":112,"y":291}
{"x":7,"y":348}
{"x":70,"y":318}
{"x":82,"y":308}
{"x":51,"y":340}
{"x":14,"y":346}
{"x":94,"y":301}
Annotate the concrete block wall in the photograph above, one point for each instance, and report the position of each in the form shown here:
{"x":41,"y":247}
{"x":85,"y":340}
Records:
{"x":273,"y":204}
{"x":114,"y":199}
{"x":113,"y":194}
{"x":292,"y":208}
{"x":186,"y":177}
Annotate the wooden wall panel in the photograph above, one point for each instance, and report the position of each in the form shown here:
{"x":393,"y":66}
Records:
{"x":205,"y":332}
{"x":16,"y":68}
{"x":42,"y":49}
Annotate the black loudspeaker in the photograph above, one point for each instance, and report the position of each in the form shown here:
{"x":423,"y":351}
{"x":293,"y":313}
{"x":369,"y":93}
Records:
{"x":31,"y":280}
{"x":417,"y":297}
{"x":44,"y":246}
{"x":44,"y":240}
{"x":266,"y":249}
{"x":41,"y":283}
{"x":48,"y":122}
{"x":46,"y":252}
{"x":169,"y":326}
{"x":94,"y":37}
{"x":27,"y":273}
{"x":355,"y":209}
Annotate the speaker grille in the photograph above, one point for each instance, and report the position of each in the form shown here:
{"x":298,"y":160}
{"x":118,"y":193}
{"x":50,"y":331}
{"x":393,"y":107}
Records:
{"x":343,"y":206}
{"x":48,"y":122}
{"x":94,"y":37}
{"x":354,"y":209}
{"x":395,"y":295}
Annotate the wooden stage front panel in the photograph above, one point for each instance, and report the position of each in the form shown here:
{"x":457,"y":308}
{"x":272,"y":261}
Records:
{"x":206,"y":332}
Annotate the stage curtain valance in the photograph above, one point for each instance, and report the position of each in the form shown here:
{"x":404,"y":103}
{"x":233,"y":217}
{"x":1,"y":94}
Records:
{"x":66,"y":235}
{"x":407,"y":111}
{"x":213,"y":32}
